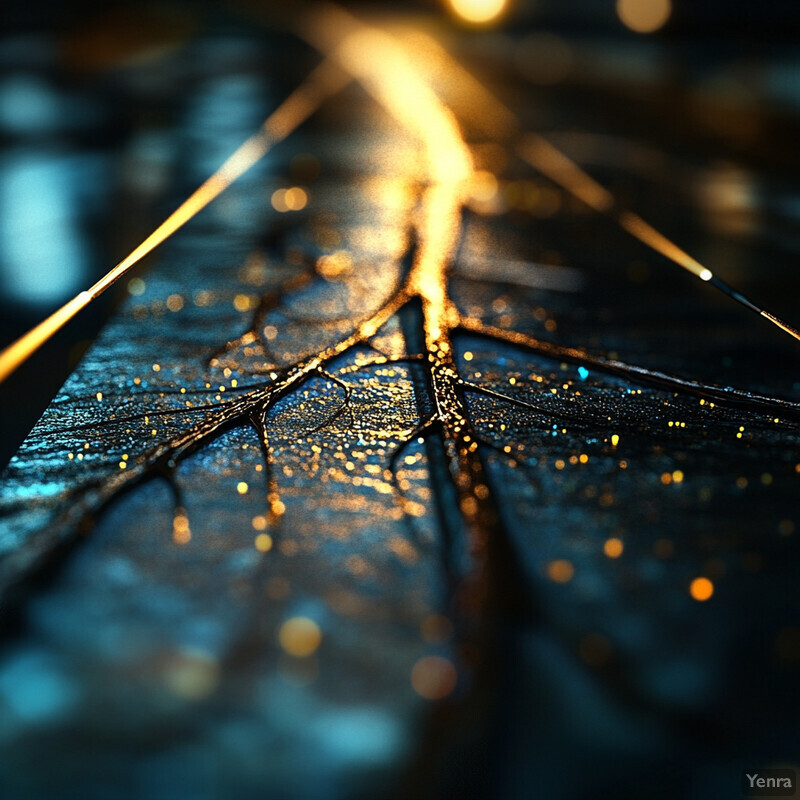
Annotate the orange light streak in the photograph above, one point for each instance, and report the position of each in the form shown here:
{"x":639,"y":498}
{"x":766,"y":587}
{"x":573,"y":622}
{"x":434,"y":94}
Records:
{"x":562,"y":170}
{"x":383,"y":67}
{"x":567,"y":174}
{"x":465,"y":94}
{"x":648,"y":235}
{"x":474,"y":103}
{"x":781,"y":324}
{"x":324,"y":81}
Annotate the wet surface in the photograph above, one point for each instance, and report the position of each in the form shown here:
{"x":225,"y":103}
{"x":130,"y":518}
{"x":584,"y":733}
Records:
{"x":229,"y":570}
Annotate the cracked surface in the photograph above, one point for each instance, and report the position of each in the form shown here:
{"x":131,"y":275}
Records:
{"x":339,"y":423}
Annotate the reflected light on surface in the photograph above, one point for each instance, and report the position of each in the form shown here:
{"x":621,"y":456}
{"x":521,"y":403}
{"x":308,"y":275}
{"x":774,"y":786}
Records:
{"x":388,"y":73}
{"x":644,"y":16}
{"x":483,"y":186}
{"x":465,"y":94}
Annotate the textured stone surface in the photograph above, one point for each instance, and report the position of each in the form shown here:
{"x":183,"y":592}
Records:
{"x":154,"y":660}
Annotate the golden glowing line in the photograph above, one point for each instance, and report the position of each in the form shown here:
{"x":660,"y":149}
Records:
{"x":648,"y":235}
{"x":384,"y":69}
{"x":567,"y":174}
{"x":325,"y":80}
{"x":561,"y":170}
{"x":465,"y":94}
{"x":17,"y":352}
{"x":781,"y":324}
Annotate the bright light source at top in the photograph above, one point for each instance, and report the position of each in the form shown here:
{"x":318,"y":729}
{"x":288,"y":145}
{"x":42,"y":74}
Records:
{"x":644,"y":16}
{"x":478,"y":12}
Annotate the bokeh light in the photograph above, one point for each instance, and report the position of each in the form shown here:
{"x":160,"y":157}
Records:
{"x":300,"y":636}
{"x":560,"y":571}
{"x":478,"y":12}
{"x":644,"y":16}
{"x":613,"y":547}
{"x":701,"y":589}
{"x":434,"y":677}
{"x":292,"y":199}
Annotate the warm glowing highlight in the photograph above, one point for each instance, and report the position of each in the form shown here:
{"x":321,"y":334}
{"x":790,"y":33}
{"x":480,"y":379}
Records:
{"x":300,"y":636}
{"x":566,"y":173}
{"x":385,"y":70}
{"x":644,"y":16}
{"x":648,"y":235}
{"x":613,"y":547}
{"x":701,"y":589}
{"x":294,"y":110}
{"x":478,"y":12}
